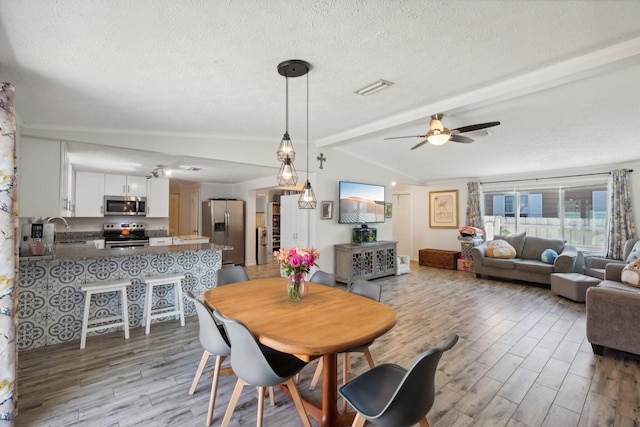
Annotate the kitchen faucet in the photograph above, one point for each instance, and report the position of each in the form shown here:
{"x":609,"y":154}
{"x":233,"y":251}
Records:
{"x":66,"y":225}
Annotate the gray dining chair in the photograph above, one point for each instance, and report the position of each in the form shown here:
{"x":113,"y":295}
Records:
{"x":323,"y":278}
{"x":369,"y":290}
{"x":260,"y":366}
{"x":215,"y":342}
{"x":235,"y":274}
{"x":391,"y":396}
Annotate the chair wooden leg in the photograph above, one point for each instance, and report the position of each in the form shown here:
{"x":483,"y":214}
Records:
{"x":196,"y":379}
{"x":297,"y":400}
{"x":424,"y":423}
{"x":358,"y":421}
{"x":272,"y":398}
{"x":237,"y":391}
{"x":316,"y":375}
{"x":367,"y":354}
{"x":260,"y":406}
{"x":346,"y":367}
{"x":214,"y":389}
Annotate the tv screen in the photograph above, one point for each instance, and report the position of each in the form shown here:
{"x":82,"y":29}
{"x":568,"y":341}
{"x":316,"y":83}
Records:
{"x":360,"y":203}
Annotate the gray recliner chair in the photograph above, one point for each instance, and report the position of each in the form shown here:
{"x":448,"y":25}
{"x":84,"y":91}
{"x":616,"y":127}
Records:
{"x":595,"y":266}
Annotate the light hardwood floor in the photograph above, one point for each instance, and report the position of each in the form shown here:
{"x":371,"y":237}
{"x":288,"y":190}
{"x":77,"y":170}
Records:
{"x":522,"y":360}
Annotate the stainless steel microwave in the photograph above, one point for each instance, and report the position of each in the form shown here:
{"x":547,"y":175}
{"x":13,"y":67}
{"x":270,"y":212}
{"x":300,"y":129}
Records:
{"x":125,"y":205}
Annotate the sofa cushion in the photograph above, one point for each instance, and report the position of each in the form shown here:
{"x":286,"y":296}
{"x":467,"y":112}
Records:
{"x":612,"y":284}
{"x":534,"y":246}
{"x":531,"y":266}
{"x":515,"y":240}
{"x":505,"y":264}
{"x":631,"y":274}
{"x":634,"y":255}
{"x":500,"y":249}
{"x":548,"y":256}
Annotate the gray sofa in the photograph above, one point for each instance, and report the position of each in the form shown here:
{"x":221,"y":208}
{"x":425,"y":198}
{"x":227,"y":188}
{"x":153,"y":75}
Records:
{"x":527,"y":265}
{"x":613,"y":313}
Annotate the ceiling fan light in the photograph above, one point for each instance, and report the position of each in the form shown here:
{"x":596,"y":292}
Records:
{"x":307,"y":198}
{"x":438,"y":137}
{"x":285,"y":149}
{"x":287,"y":174}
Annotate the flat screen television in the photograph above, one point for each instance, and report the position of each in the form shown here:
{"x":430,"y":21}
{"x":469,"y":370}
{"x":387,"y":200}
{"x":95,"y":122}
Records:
{"x":360,"y":203}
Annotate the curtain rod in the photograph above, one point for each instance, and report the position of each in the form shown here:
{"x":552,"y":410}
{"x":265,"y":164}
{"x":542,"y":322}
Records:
{"x":552,"y":177}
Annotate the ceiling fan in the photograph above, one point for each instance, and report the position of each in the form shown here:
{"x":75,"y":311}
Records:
{"x":438,"y":134}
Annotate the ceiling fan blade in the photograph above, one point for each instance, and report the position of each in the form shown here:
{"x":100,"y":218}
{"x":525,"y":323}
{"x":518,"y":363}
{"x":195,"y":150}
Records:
{"x":419,"y":145}
{"x":412,"y":136}
{"x":460,"y":138}
{"x":472,"y":128}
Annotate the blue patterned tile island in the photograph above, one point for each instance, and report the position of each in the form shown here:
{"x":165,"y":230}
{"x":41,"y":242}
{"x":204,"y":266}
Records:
{"x":50,"y":302}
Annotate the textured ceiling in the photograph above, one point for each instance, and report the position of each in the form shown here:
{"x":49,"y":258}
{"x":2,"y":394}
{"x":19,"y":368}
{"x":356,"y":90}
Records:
{"x":559,"y":76}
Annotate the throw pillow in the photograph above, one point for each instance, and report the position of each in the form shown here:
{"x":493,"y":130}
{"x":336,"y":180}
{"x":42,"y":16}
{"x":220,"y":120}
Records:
{"x":549,"y":256}
{"x":500,"y":249}
{"x":634,"y":255}
{"x":631,"y":274}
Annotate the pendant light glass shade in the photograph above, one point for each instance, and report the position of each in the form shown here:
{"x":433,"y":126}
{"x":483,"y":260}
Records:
{"x":287,"y":174}
{"x":285,"y":149}
{"x":307,"y":198}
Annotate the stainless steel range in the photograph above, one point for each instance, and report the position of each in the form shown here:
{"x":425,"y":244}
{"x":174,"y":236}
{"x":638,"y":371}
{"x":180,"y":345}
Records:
{"x":124,"y":235}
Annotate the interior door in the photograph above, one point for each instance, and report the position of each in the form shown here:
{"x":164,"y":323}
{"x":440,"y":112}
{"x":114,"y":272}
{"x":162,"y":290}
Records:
{"x":403,"y":223}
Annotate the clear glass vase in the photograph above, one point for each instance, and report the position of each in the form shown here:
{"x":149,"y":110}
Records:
{"x":296,"y":288}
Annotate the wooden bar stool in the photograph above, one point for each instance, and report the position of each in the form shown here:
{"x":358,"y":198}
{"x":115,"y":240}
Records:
{"x":106,"y":322}
{"x":154,"y":313}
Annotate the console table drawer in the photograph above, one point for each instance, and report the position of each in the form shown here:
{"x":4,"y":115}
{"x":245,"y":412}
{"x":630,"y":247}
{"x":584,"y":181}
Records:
{"x":438,"y":258}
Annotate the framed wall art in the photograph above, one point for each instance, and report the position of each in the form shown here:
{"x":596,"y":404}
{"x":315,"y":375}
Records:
{"x":388,"y":210}
{"x":326,"y":211}
{"x":443,"y":209}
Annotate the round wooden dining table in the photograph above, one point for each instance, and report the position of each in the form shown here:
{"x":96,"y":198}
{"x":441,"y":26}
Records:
{"x":325,"y":322}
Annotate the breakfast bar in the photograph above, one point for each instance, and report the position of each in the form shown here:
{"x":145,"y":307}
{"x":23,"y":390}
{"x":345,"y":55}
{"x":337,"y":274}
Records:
{"x":50,"y":307}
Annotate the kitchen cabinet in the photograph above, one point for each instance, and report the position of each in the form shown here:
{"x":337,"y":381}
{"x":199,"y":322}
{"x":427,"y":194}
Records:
{"x":89,"y":194}
{"x":158,"y":198}
{"x":160,"y":241}
{"x":293,"y":223}
{"x":364,"y":261}
{"x":43,"y":178}
{"x":122,"y":185}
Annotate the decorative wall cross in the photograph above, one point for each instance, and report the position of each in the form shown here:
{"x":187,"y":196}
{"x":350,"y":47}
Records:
{"x":321,"y":158}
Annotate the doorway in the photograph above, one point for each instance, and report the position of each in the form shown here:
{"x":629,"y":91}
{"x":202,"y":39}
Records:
{"x":174,"y":214}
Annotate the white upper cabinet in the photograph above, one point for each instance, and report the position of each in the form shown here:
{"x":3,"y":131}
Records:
{"x":158,"y":198}
{"x":43,"y":173}
{"x":122,"y":185}
{"x":89,"y":199}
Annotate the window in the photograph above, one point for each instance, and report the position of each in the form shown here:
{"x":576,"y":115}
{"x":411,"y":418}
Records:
{"x":574,"y":212}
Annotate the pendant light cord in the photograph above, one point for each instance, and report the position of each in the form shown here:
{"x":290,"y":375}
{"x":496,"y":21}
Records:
{"x":286,"y":103}
{"x":307,"y":127}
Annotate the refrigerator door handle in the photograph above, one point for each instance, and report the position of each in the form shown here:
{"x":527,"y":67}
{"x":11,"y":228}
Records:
{"x":226,"y":224}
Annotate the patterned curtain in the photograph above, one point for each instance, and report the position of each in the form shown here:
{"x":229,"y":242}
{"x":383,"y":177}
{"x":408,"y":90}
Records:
{"x":620,"y":225}
{"x":8,"y":258}
{"x":474,"y":211}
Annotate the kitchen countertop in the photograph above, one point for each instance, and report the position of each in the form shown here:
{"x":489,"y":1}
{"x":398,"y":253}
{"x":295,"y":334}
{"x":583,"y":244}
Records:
{"x":190,"y":237}
{"x":85,"y":251}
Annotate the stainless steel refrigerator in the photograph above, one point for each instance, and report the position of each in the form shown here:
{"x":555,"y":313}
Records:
{"x":223,"y":222}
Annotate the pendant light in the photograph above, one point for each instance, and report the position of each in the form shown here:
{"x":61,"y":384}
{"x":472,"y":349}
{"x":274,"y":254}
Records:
{"x":286,"y":154}
{"x":285,"y":149}
{"x":307,"y":198}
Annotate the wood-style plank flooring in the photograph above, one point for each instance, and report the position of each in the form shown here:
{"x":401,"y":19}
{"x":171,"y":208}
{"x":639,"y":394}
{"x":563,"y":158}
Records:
{"x":522,"y":360}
